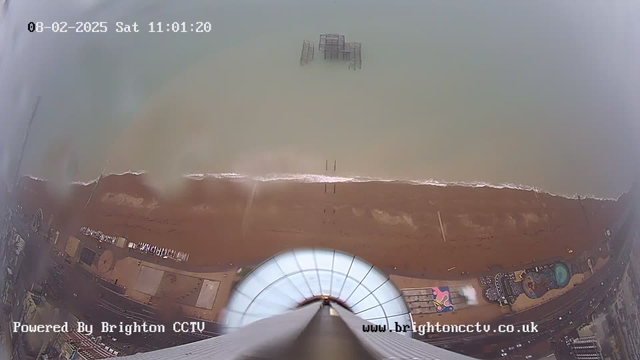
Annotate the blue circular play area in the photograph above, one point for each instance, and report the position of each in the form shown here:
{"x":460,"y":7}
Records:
{"x":562,"y":274}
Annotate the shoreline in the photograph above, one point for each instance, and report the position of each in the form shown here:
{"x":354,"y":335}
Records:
{"x":321,"y":178}
{"x":391,"y":225}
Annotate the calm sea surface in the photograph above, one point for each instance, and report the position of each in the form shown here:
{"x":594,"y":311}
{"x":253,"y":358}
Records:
{"x":540,"y":93}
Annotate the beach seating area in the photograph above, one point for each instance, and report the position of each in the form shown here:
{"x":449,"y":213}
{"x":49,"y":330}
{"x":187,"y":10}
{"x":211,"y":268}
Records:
{"x":98,"y":235}
{"x":163,"y":252}
{"x":146,"y":248}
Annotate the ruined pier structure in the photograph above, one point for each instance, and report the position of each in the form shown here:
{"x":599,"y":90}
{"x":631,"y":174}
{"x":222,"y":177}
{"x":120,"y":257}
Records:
{"x":334,"y":47}
{"x":308,"y":49}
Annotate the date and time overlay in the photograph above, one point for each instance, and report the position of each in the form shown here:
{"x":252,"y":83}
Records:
{"x":119,"y":27}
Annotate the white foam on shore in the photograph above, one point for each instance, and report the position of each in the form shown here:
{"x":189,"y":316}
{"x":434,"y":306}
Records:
{"x":319,"y":178}
{"x":136,"y":173}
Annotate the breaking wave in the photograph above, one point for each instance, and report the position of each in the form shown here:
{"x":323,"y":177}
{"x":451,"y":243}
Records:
{"x":318,"y":178}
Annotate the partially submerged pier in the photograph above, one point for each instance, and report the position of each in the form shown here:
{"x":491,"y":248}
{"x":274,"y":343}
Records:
{"x":333,"y":47}
{"x":308,"y":49}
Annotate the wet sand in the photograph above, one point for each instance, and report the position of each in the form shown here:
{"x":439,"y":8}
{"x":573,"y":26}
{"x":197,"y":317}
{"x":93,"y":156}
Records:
{"x":392,"y":225}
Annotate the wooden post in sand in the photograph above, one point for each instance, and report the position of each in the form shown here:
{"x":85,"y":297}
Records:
{"x":335,"y":162}
{"x":326,"y":168}
{"x":444,"y":237}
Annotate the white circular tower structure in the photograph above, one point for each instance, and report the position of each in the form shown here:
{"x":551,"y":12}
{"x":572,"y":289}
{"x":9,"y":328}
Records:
{"x":297,"y":277}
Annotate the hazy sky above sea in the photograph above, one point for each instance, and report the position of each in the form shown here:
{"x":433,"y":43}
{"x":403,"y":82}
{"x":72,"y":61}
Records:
{"x":541,"y":93}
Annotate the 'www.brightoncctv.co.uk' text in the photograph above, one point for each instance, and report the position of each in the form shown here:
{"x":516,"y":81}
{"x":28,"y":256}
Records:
{"x":446,"y":328}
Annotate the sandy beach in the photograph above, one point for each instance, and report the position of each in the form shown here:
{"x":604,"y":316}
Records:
{"x":395,"y":226}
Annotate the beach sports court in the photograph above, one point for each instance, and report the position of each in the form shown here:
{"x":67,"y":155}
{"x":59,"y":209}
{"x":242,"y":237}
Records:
{"x":184,"y":289}
{"x":148,"y":280}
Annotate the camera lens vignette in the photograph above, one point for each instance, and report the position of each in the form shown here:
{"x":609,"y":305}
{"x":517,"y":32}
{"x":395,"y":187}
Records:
{"x":286,"y":179}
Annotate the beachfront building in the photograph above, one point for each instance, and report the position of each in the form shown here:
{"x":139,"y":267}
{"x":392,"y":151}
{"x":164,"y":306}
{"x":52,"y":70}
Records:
{"x":77,"y":346}
{"x":586,"y":348}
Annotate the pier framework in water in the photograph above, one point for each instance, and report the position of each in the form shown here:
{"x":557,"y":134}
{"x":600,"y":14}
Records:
{"x":334,"y":47}
{"x":308,"y":49}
